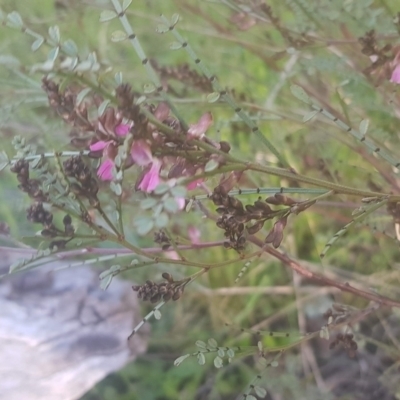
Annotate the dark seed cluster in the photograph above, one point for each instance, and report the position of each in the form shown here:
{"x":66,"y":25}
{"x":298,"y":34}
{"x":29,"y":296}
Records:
{"x":85,"y":185}
{"x":36,"y":213}
{"x":30,"y":186}
{"x":234,"y":215}
{"x":154,"y":292}
{"x":348,"y":343}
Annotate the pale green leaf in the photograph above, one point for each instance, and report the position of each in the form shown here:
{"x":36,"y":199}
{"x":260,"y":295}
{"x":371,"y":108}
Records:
{"x":171,"y":205}
{"x":37,"y":43}
{"x":126,"y":4}
{"x":107,"y":15}
{"x":211,"y":165}
{"x":54,"y":33}
{"x":118,"y":36}
{"x":53,"y":54}
{"x":309,"y":116}
{"x":162,"y":220}
{"x":218,"y":362}
{"x":157,"y":314}
{"x":14,"y":20}
{"x":70,"y":47}
{"x":105,"y":282}
{"x":200,"y":344}
{"x":162,"y":28}
{"x":180,"y":359}
{"x":175,"y":46}
{"x":148,"y":203}
{"x":260,"y":392}
{"x":363,"y":128}
{"x":213,"y":97}
{"x":82,"y":94}
{"x":102,"y":107}
{"x":201,"y":359}
{"x":149,"y":88}
{"x":299,"y":93}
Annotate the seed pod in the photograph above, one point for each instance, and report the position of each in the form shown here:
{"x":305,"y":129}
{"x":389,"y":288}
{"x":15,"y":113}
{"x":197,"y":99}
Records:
{"x":255,"y":228}
{"x":225,"y":146}
{"x":167,"y":276}
{"x":177,"y":294}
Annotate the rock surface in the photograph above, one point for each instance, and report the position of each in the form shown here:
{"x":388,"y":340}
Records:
{"x":60,"y":333}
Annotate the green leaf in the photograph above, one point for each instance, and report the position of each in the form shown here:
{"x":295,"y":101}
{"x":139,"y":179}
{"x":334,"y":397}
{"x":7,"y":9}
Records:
{"x":274,"y":364}
{"x":149,"y":88}
{"x":218,"y":362}
{"x":126,"y":4}
{"x":171,"y":205}
{"x":118,"y":36}
{"x":14,"y":20}
{"x":363,"y":128}
{"x":174,"y":19}
{"x":84,"y":66}
{"x":213,"y":97}
{"x":180,"y":359}
{"x":162,"y":28}
{"x":200,"y":344}
{"x":118,"y":78}
{"x":157,"y":314}
{"x":162,"y":220}
{"x":211,"y":166}
{"x":144,"y":224}
{"x":4,"y":160}
{"x":230,"y":353}
{"x":105,"y":282}
{"x":54,"y":33}
{"x":107,"y":15}
{"x":175,"y":46}
{"x":201,"y":359}
{"x":162,"y":188}
{"x":116,"y":188}
{"x":102,"y":107}
{"x":70,"y":47}
{"x":260,"y":392}
{"x":212,"y":343}
{"x":299,"y":93}
{"x":53,"y":53}
{"x":221,"y":352}
{"x":309,"y":116}
{"x":37,"y":43}
{"x":148,"y":203}
{"x":179,"y":191}
{"x":81,"y":95}
{"x":250,"y":397}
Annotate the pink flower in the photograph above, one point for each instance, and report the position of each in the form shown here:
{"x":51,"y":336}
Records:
{"x":100,"y":145}
{"x":122,"y":129}
{"x":141,"y":153}
{"x":151,"y":178}
{"x":198,"y":130}
{"x":194,"y":234}
{"x":396,"y":75}
{"x":105,"y":171}
{"x":194,"y":184}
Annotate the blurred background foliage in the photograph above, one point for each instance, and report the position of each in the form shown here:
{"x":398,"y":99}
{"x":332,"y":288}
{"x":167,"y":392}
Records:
{"x":314,"y":44}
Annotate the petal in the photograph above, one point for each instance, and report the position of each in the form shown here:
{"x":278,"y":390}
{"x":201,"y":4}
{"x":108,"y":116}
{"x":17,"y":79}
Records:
{"x":105,"y":171}
{"x":152,"y":178}
{"x":194,"y":184}
{"x":181,"y":202}
{"x":198,"y":130}
{"x":141,"y":153}
{"x":122,"y":129}
{"x":396,"y":75}
{"x":100,"y":145}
